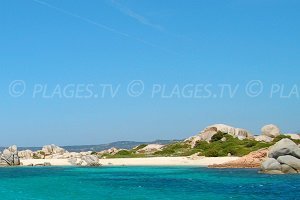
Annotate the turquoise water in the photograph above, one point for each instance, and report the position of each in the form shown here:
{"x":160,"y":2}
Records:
{"x":144,"y":183}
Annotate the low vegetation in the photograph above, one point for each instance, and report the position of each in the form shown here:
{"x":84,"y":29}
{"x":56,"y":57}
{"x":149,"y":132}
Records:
{"x":222,"y":144}
{"x":218,"y":136}
{"x":232,"y":146}
{"x":124,"y":154}
{"x":285,"y":136}
{"x":176,"y":149}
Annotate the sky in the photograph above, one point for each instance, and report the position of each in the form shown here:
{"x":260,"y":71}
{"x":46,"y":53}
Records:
{"x":57,"y":56}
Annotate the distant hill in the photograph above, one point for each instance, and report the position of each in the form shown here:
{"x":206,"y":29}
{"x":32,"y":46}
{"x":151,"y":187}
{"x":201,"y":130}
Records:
{"x":100,"y":147}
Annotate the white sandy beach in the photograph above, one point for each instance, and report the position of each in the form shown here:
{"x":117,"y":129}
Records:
{"x":156,"y":161}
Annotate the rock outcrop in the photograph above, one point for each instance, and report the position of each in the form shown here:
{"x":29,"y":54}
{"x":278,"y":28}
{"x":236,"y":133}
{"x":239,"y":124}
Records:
{"x":111,"y":151}
{"x":88,"y":160}
{"x":263,"y":138}
{"x":268,"y":133}
{"x":252,"y":160}
{"x":53,"y":149}
{"x":282,"y":148}
{"x":291,"y":161}
{"x":25,"y":154}
{"x":52,"y":152}
{"x":151,"y":148}
{"x":270,"y":130}
{"x":91,"y":160}
{"x":284,"y":157}
{"x":10,"y":156}
{"x":271,"y":164}
{"x":209,"y":131}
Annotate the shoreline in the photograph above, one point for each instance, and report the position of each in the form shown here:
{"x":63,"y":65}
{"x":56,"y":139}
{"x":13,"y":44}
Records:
{"x":153,"y":161}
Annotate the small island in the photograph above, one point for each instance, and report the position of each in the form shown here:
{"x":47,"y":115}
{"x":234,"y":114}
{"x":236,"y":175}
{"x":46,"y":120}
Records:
{"x":217,"y":146}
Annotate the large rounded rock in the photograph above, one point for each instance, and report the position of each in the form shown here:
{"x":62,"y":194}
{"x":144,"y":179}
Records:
{"x":270,"y":164}
{"x":296,"y":153}
{"x":13,"y":149}
{"x":53,"y":149}
{"x":270,"y":130}
{"x":287,"y":169}
{"x":285,"y":155}
{"x":25,"y":154}
{"x":235,"y":132}
{"x":290,"y":161}
{"x":283,"y":147}
{"x":263,"y":138}
{"x":75,"y":161}
{"x":207,"y":135}
{"x":10,"y":156}
{"x":91,"y":160}
{"x":242,"y":134}
{"x":210,"y":131}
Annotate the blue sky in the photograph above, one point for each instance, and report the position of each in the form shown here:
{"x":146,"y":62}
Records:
{"x":167,"y":42}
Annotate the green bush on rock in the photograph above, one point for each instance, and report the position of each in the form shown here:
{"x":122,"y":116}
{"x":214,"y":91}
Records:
{"x":218,"y":136}
{"x":232,"y":146}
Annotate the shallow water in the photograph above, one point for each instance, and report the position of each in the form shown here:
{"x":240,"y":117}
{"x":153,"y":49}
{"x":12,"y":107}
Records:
{"x":144,"y":183}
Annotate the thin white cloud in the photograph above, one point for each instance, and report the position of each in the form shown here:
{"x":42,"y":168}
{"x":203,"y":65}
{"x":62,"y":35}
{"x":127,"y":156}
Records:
{"x":103,"y":26}
{"x":130,"y":13}
{"x":82,"y":18}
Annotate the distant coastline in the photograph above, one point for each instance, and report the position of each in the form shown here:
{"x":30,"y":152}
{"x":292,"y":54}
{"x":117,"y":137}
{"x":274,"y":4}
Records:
{"x":101,"y":147}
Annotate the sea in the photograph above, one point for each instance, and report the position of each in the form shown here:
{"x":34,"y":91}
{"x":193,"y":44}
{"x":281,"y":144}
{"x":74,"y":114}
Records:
{"x":161,"y":183}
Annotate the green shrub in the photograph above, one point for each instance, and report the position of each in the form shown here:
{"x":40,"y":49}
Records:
{"x":203,"y":145}
{"x":297,"y":141}
{"x":216,"y":148}
{"x":35,"y":156}
{"x":211,"y":153}
{"x":123,"y":153}
{"x":234,"y":146}
{"x":251,"y":143}
{"x":218,"y":136}
{"x":280,"y":137}
{"x":176,"y":149}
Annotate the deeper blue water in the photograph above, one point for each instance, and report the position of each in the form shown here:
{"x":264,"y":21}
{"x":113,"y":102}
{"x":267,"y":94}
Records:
{"x":69,"y":183}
